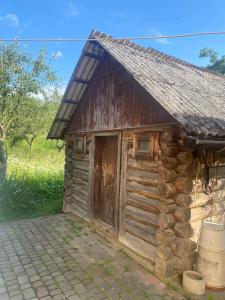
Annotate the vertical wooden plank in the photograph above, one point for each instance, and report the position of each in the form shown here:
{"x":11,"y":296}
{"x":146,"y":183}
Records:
{"x":117,"y":204}
{"x":123,"y":187}
{"x":91,"y":177}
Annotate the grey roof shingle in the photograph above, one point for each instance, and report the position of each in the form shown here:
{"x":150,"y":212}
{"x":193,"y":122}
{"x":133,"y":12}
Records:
{"x":194,"y":96}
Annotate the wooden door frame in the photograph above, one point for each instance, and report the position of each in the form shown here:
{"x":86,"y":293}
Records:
{"x":91,"y":174}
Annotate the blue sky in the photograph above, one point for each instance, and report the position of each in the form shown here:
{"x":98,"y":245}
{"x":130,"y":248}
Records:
{"x":76,"y":18}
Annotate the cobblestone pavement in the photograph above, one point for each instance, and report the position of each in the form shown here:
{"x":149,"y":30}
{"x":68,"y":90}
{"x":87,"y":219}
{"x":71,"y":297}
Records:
{"x":58,"y":257}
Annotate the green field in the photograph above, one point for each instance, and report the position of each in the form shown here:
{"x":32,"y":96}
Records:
{"x":34,"y":184}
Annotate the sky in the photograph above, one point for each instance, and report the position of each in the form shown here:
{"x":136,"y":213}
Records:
{"x":76,"y":19}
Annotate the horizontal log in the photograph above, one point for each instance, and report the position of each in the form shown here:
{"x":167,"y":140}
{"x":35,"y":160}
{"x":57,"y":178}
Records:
{"x":79,"y":200}
{"x":166,"y":220}
{"x":169,"y":162}
{"x":144,"y":201}
{"x":185,"y":157}
{"x":169,"y":149}
{"x":184,"y":185}
{"x":136,"y":244}
{"x":143,"y":189}
{"x":143,"y":165}
{"x":168,"y":175}
{"x":185,"y":170}
{"x":81,"y":174}
{"x":167,"y":190}
{"x":80,"y":156}
{"x":144,"y":181}
{"x":167,"y":208}
{"x":80,"y":182}
{"x":141,"y":215}
{"x":164,"y":252}
{"x":80,"y":192}
{"x":151,"y":229}
{"x":145,"y":176}
{"x":141,"y":198}
{"x":183,"y":200}
{"x":165,"y":237}
{"x":78,"y":210}
{"x":183,"y":230}
{"x":141,"y":233}
{"x":182,"y":214}
{"x":80,"y":164}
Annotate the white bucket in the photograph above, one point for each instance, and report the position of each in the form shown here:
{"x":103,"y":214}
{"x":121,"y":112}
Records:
{"x":211,"y":250}
{"x":194,"y":283}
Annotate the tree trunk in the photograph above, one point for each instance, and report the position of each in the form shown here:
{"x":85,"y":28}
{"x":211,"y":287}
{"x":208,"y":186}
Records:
{"x":3,"y":161}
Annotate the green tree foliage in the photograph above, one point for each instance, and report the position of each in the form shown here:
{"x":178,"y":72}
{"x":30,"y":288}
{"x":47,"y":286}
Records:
{"x":216,"y":63}
{"x":36,"y":118}
{"x":21,"y":78}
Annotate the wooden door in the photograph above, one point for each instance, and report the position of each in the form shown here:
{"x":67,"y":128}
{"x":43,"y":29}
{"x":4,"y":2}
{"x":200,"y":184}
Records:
{"x":105,"y":179}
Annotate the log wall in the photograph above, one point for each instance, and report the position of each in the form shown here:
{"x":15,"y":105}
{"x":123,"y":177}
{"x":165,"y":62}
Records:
{"x":174,"y":252}
{"x":140,"y":200}
{"x":163,"y":199}
{"x":76,"y":185}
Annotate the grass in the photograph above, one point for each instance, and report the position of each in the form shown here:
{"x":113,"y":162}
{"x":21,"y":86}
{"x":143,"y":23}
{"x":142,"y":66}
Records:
{"x":34,"y":183}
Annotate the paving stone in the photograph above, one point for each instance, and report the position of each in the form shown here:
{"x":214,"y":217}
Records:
{"x":22,"y":279}
{"x":58,"y":257}
{"x":37,"y":283}
{"x":14,"y":292}
{"x":75,"y":297}
{"x":42,"y":291}
{"x":3,"y":290}
{"x":4,"y":297}
{"x":55,"y":292}
{"x":29,"y":294}
{"x":17,"y":297}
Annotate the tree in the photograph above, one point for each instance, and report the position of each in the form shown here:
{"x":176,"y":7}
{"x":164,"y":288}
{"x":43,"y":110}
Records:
{"x":21,"y":77}
{"x":216,"y":63}
{"x":31,"y":121}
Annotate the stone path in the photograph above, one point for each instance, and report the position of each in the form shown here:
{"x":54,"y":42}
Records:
{"x":58,"y":257}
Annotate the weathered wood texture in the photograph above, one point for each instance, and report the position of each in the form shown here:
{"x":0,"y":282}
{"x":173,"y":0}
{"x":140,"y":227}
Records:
{"x":105,"y":179}
{"x":140,"y":201}
{"x":174,"y":253}
{"x":76,"y":181}
{"x":114,"y":100}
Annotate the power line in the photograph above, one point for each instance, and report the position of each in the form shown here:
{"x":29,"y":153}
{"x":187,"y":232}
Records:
{"x":154,"y":37}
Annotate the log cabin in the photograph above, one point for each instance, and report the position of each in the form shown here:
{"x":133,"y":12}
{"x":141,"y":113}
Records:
{"x":144,"y":140}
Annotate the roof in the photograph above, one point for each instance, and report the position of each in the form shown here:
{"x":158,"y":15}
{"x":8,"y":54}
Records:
{"x":194,"y":96}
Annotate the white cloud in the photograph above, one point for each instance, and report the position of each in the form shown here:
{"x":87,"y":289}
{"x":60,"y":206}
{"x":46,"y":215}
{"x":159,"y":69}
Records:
{"x":164,"y":41}
{"x":57,"y":54}
{"x":10,"y":20}
{"x":72,"y":10}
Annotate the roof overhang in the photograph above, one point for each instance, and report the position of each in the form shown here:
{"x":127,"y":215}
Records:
{"x":199,"y":142}
{"x":89,"y":60}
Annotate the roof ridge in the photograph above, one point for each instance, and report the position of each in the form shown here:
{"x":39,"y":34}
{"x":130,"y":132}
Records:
{"x":99,"y":35}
